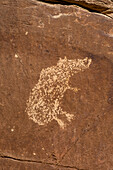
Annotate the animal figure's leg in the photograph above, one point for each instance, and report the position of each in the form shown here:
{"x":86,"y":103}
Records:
{"x":60,"y":122}
{"x":71,"y":116}
{"x":68,"y":115}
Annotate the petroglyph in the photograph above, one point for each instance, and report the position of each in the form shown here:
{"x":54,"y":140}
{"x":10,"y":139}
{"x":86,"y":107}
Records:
{"x":44,"y":103}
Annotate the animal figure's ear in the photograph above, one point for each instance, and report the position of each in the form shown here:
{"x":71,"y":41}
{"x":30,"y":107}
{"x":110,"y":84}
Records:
{"x":65,"y":58}
{"x":59,"y":61}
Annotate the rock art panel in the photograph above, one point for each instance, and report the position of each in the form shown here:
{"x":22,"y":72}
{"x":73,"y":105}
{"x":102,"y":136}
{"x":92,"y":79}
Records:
{"x":34,"y":35}
{"x":43,"y":105}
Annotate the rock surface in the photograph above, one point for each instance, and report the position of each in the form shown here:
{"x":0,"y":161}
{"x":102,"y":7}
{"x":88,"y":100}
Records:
{"x":33,"y":38}
{"x":103,"y":6}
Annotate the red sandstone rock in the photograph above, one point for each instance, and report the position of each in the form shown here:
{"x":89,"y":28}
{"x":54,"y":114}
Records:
{"x":104,"y":6}
{"x":33,"y":37}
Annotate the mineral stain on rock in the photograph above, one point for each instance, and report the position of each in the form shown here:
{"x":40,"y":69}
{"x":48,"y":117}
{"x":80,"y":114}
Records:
{"x":43,"y":105}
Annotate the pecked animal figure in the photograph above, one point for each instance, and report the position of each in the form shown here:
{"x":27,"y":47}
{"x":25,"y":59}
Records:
{"x":43,"y":105}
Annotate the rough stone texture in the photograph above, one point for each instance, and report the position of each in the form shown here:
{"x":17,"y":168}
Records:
{"x":33,"y":36}
{"x":104,"y":6}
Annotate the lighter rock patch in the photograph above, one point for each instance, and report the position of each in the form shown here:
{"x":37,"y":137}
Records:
{"x":44,"y":102}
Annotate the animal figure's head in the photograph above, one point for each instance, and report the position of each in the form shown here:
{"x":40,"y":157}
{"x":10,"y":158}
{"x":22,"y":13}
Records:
{"x":75,"y":64}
